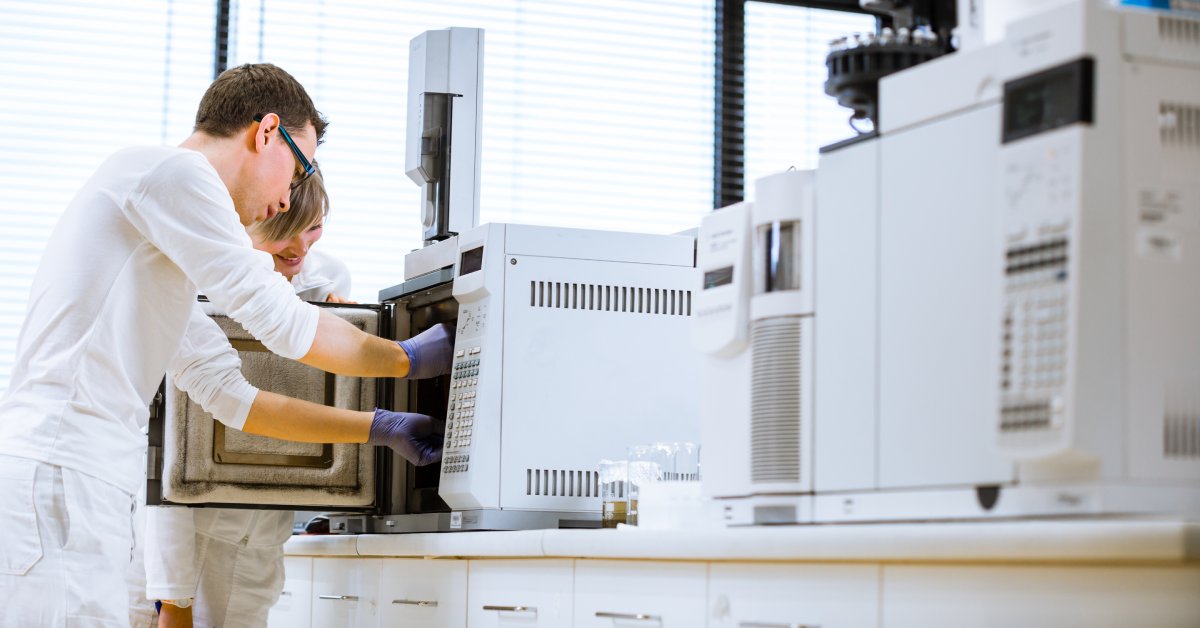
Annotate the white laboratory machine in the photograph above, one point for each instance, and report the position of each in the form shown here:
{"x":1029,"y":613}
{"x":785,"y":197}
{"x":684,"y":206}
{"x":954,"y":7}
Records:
{"x":975,"y":196}
{"x":442,"y":154}
{"x":909,"y":258}
{"x":755,"y":326}
{"x":571,"y":346}
{"x":1006,"y":300}
{"x":1099,"y":195}
{"x":721,"y":337}
{"x":1089,"y":403}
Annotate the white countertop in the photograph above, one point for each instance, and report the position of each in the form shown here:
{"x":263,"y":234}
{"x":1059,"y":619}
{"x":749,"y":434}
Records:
{"x":1059,"y":541}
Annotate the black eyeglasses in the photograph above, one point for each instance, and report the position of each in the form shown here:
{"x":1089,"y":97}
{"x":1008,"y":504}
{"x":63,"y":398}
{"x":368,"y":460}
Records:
{"x":306,"y":169}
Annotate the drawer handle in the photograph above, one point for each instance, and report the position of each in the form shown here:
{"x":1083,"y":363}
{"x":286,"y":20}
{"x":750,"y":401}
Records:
{"x":629,"y":616}
{"x":511,"y":609}
{"x":348,"y":598}
{"x":421,"y":603}
{"x":764,"y":624}
{"x":285,"y":593}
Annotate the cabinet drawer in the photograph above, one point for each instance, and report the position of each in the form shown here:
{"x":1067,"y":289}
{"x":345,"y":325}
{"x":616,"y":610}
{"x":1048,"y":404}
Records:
{"x":345,"y":592}
{"x":612,"y":593}
{"x":1041,"y":597}
{"x":744,"y":595}
{"x":519,"y":593}
{"x":294,"y":607}
{"x":427,"y":593}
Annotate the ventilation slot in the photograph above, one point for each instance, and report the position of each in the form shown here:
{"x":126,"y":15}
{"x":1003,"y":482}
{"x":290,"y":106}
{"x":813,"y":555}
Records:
{"x":775,"y":400}
{"x":562,"y":483}
{"x":1179,"y":125}
{"x":1181,"y":436}
{"x":1181,"y":420}
{"x":606,"y":298}
{"x":1179,"y":30}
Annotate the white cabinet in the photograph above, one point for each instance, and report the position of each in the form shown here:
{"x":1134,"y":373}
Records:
{"x":426,"y":593}
{"x":744,"y":595}
{"x":1040,"y":597}
{"x":519,"y":593}
{"x":294,"y":607}
{"x":345,"y":592}
{"x":612,"y":593}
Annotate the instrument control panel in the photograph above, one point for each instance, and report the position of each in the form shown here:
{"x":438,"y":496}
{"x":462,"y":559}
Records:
{"x":464,"y":388}
{"x":460,"y":419}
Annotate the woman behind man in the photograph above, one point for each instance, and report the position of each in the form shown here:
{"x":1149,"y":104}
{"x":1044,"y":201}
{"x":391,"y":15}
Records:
{"x":229,"y":562}
{"x":288,"y":237}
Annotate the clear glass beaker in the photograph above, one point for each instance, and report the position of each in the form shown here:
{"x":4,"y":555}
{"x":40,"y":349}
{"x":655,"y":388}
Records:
{"x":687,"y":462}
{"x":614,"y":498}
{"x":647,"y":463}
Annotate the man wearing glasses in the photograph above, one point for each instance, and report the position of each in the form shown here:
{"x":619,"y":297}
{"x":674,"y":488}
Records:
{"x":304,"y":168}
{"x":110,"y":302}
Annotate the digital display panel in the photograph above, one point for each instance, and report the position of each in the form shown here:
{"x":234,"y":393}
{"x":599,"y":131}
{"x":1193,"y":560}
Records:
{"x":1048,"y":100}
{"x":718,"y":277}
{"x":472,"y":260}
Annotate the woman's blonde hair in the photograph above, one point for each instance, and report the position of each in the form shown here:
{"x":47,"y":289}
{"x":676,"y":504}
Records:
{"x":309,"y":203}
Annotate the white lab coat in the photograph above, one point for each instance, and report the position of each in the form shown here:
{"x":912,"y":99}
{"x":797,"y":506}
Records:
{"x":229,"y":559}
{"x":109,"y":306}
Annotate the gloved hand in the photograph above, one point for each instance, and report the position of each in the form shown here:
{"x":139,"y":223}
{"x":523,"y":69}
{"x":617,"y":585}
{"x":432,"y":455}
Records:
{"x":408,"y":434}
{"x":431,"y":352}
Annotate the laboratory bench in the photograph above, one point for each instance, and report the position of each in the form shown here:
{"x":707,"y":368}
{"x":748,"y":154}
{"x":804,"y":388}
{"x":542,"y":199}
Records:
{"x":1051,"y":573}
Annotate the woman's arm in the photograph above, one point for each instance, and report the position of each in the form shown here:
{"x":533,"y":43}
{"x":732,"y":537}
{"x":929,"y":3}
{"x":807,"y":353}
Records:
{"x":283,"y":417}
{"x":410,"y":435}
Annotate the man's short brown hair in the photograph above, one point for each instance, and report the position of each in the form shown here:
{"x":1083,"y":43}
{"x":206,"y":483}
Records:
{"x":254,"y":89}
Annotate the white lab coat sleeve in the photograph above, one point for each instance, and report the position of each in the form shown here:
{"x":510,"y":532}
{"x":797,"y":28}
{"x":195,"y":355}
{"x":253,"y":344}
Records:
{"x":209,"y":370}
{"x":339,"y":276}
{"x":184,"y":210}
{"x":170,"y":553}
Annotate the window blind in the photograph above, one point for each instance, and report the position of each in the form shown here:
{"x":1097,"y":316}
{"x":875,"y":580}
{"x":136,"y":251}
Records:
{"x":81,"y":80}
{"x":788,"y":116}
{"x":595,"y":114}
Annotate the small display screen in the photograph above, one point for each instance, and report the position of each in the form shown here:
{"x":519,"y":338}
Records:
{"x":472,"y":260}
{"x":718,"y":277}
{"x":1048,"y":100}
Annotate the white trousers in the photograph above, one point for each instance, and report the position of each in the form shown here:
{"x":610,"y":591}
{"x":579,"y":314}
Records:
{"x":230,"y":560}
{"x":65,"y":548}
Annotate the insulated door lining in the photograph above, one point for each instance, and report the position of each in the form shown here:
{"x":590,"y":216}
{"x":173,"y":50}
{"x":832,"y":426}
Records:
{"x":208,"y":462}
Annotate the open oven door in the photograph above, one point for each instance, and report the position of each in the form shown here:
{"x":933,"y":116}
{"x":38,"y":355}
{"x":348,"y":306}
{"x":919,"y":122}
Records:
{"x":195,"y":461}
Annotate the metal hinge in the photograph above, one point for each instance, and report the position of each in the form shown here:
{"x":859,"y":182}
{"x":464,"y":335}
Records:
{"x":152,"y":456}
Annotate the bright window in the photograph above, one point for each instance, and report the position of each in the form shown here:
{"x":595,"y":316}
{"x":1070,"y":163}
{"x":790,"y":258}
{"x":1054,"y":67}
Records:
{"x":788,"y":115}
{"x":595,"y":114}
{"x":81,"y":80}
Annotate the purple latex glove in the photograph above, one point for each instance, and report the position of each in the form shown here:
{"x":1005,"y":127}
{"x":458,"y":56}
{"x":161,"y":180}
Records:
{"x":408,"y":434}
{"x":431,"y":352}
